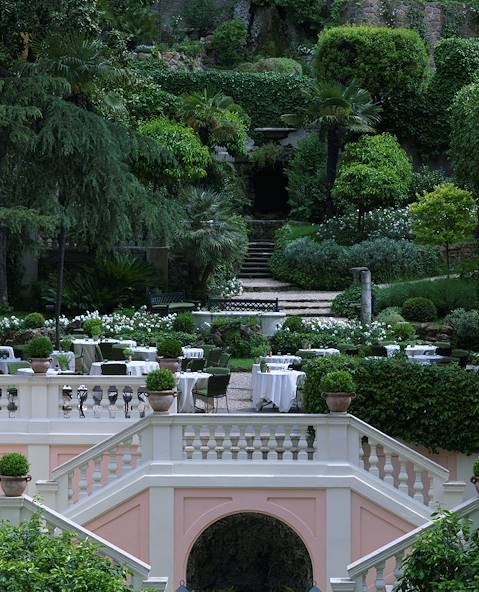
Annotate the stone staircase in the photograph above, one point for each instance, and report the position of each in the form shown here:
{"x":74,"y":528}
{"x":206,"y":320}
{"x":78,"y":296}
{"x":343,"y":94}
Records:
{"x":305,"y":303}
{"x":256,"y":263}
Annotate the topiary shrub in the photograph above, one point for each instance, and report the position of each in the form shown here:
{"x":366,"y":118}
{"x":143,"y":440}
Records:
{"x":391,"y":63}
{"x":419,"y":309}
{"x":39,"y":347}
{"x":390,"y":316}
{"x":34,"y":320}
{"x":337,"y":381}
{"x":160,"y":380}
{"x":14,"y":464}
{"x":185,"y":322}
{"x":280,"y":65}
{"x":229,"y":43}
{"x":294,"y":324}
{"x":169,"y":348}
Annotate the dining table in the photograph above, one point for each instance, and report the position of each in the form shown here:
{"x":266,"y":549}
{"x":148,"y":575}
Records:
{"x":278,"y":387}
{"x":143,"y":352}
{"x":420,"y":350}
{"x":193,"y":352}
{"x":281,"y":358}
{"x":133,"y":368}
{"x":7,"y":356}
{"x":186,"y":381}
{"x":320,"y":351}
{"x":86,"y":348}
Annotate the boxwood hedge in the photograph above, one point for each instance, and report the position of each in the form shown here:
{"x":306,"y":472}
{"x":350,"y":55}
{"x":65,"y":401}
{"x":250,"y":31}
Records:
{"x":265,"y":96}
{"x":418,"y":404}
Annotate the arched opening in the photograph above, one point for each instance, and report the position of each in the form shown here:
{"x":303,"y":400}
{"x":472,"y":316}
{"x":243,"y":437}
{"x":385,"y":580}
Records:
{"x":270,"y":191}
{"x":249,"y":552}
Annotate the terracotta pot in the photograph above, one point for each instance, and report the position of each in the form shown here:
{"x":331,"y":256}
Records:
{"x":475,"y":480}
{"x":40,"y":365}
{"x":338,"y":402}
{"x":170,"y":364}
{"x":161,"y":401}
{"x":14,"y":486}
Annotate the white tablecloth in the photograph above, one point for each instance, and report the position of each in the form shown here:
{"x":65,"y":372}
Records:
{"x":392,"y":350}
{"x":186,"y":381}
{"x":271,"y":365}
{"x":71,"y":360}
{"x":420,"y":350}
{"x":7,"y":351}
{"x":193,"y":352}
{"x":78,"y":343}
{"x":148,"y":354}
{"x":277,"y":386}
{"x":50,"y":371}
{"x":282,"y":359}
{"x":426,"y":359}
{"x":321,"y":351}
{"x":135,"y":368}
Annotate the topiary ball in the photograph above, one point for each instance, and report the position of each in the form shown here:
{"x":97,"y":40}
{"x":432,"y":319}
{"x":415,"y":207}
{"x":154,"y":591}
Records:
{"x":419,"y":309}
{"x":34,"y":320}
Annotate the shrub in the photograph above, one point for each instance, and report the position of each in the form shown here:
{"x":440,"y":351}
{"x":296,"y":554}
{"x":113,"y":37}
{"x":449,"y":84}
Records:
{"x":229,"y":42}
{"x":306,"y":172}
{"x":465,"y":325}
{"x":326,"y":265}
{"x":265,"y":96}
{"x":425,"y":180}
{"x":419,"y":309}
{"x":93,"y":326}
{"x":391,"y":63}
{"x":14,"y":464}
{"x":375,"y":172}
{"x":465,"y":136}
{"x":404,"y":331}
{"x":40,"y":347}
{"x":390,"y":315}
{"x":337,"y":381}
{"x":348,"y":303}
{"x":34,"y":320}
{"x":294,"y":324}
{"x":242,"y":337}
{"x":184,"y":322}
{"x":445,"y":294}
{"x":191,"y":156}
{"x":201,"y":15}
{"x":160,"y":380}
{"x":169,"y":348}
{"x":280,"y":65}
{"x":475,"y":468}
{"x":415,"y":403}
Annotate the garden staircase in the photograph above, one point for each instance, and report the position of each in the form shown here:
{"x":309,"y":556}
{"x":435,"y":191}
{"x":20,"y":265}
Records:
{"x":256,"y":263}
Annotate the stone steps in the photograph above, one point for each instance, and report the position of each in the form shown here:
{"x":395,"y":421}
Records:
{"x":256,"y":263}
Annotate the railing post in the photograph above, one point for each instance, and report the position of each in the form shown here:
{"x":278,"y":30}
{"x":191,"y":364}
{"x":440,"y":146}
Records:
{"x":336,"y":441}
{"x":155,"y":583}
{"x":47,"y":491}
{"x":452,"y":494}
{"x":165,"y":438}
{"x":342,"y":585}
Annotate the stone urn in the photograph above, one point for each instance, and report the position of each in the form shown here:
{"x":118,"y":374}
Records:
{"x":338,"y":402}
{"x":161,"y":401}
{"x":171,"y":364}
{"x":40,"y":365}
{"x":475,"y":481}
{"x":14,"y":486}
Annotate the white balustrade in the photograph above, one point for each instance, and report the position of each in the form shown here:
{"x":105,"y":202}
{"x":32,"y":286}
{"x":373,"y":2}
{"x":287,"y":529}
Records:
{"x":23,"y":508}
{"x":383,"y":569}
{"x":31,"y":396}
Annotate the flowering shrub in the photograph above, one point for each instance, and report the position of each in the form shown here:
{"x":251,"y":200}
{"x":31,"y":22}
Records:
{"x":118,"y":323}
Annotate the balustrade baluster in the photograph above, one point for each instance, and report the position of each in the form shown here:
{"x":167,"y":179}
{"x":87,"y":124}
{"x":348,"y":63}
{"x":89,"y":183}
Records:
{"x":264,"y":438}
{"x":280,"y":448}
{"x":418,"y":486}
{"x":70,"y":488}
{"x":97,"y":474}
{"x":295,"y":438}
{"x":234,"y":438}
{"x":112,"y":465}
{"x":380,"y":583}
{"x":188,"y":438}
{"x":138,"y":449}
{"x":249,"y":437}
{"x":361,"y":453}
{"x":388,"y":468}
{"x":83,"y":484}
{"x":373,"y":458}
{"x":403,"y":477}
{"x":398,"y":569}
{"x":361,"y":583}
{"x":127,"y":455}
{"x":204,"y":439}
{"x":310,"y":442}
{"x":219,"y":443}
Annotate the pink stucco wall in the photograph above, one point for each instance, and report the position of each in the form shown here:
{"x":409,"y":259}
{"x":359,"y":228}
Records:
{"x":60,"y":454}
{"x":303,"y":510}
{"x":127,"y":526}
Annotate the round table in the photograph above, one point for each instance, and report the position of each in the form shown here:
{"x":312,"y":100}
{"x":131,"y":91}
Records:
{"x":256,"y":369}
{"x":193,"y":352}
{"x":278,"y":387}
{"x":392,"y":349}
{"x":87,"y":348}
{"x":320,"y":351}
{"x":282,"y":359}
{"x":134,"y":368}
{"x":146,"y":353}
{"x":186,"y":381}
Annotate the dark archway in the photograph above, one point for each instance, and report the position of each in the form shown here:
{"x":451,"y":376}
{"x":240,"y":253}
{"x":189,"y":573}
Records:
{"x":249,"y":552}
{"x":270,"y":191}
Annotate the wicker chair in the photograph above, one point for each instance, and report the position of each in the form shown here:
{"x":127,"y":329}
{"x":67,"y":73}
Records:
{"x":114,"y":369}
{"x":216,"y":388}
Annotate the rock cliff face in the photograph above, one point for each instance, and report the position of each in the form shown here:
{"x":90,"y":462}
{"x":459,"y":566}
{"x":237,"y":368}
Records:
{"x":272,"y":29}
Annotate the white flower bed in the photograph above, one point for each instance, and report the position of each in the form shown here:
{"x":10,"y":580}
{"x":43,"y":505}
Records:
{"x":349,"y":330}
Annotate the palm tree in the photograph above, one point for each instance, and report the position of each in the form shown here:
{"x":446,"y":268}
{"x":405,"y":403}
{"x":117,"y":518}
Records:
{"x":336,"y":109}
{"x":212,"y":234}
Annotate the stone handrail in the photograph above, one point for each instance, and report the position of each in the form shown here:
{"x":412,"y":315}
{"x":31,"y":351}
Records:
{"x":384,"y":566}
{"x":291,"y":440}
{"x":17,"y":509}
{"x":30,"y":396}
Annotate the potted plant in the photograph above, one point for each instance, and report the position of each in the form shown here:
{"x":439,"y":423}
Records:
{"x":337,"y":388}
{"x":169,"y":350}
{"x":128,"y":353}
{"x":93,"y":327}
{"x":161,"y":389}
{"x":66,"y":344}
{"x":475,"y":476}
{"x":39,"y":350}
{"x":14,"y":475}
{"x":63,"y":361}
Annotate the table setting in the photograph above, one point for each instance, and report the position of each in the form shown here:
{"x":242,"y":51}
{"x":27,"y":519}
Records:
{"x":133,"y":368}
{"x":278,"y":387}
{"x":192,"y":352}
{"x":186,"y":381}
{"x":281,"y":359}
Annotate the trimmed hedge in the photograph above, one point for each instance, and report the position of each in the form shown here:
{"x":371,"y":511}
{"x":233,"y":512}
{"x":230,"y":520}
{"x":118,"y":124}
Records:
{"x":465,"y":136}
{"x":327,"y":265}
{"x":265,"y":96}
{"x":412,"y":402}
{"x":391,"y":63}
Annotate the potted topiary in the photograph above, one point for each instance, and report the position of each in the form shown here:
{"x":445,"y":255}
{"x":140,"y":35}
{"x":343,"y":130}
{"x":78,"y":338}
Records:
{"x":63,"y":360}
{"x":337,"y":388}
{"x":160,"y":386}
{"x":475,"y":477}
{"x":169,"y":350}
{"x":14,"y":475}
{"x":39,"y":350}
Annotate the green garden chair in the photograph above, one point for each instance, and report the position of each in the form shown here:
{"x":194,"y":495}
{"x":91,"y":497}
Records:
{"x":196,"y":364}
{"x":214,"y":356}
{"x":114,"y":369}
{"x":216,"y":388}
{"x":224,"y":359}
{"x":217,"y":370}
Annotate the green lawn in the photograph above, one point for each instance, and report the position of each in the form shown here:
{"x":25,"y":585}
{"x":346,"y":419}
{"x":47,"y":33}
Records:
{"x":241,"y":364}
